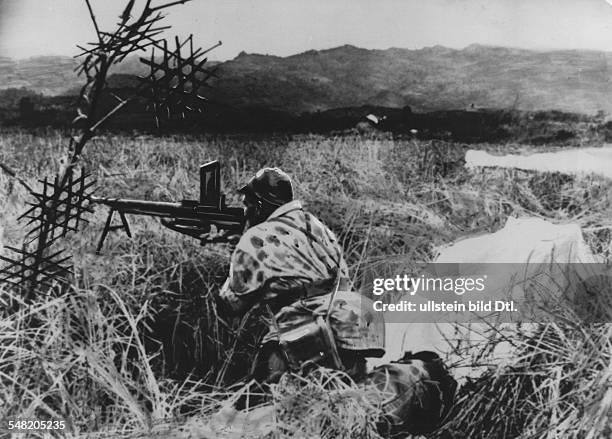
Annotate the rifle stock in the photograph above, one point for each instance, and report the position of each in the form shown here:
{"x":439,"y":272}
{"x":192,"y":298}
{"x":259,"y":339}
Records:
{"x":190,"y":217}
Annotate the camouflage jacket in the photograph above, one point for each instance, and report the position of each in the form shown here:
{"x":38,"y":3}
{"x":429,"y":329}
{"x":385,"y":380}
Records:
{"x":292,"y":261}
{"x":275,"y":261}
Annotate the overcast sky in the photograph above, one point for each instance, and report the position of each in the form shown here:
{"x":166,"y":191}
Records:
{"x":285,"y":27}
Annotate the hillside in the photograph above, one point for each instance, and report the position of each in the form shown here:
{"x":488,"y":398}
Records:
{"x":431,"y":78}
{"x":427,"y":79}
{"x":44,"y":74}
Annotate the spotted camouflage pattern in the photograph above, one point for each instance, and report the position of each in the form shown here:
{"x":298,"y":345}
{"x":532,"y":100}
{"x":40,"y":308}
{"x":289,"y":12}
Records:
{"x":276,"y":258}
{"x":290,"y":259}
{"x":414,"y":396}
{"x":351,"y":317}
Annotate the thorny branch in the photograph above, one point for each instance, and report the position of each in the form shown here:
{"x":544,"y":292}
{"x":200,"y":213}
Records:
{"x":64,"y":205}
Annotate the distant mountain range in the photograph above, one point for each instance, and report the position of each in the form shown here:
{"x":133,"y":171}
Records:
{"x":431,"y":78}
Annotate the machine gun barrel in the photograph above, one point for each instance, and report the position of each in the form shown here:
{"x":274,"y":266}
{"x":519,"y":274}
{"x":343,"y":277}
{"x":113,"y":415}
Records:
{"x":207,"y":219}
{"x":184,"y":209}
{"x":139,"y":207}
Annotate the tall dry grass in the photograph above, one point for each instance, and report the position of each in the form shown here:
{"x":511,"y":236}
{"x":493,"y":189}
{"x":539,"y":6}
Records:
{"x":138,"y":341}
{"x":557,"y":384}
{"x":81,"y":357}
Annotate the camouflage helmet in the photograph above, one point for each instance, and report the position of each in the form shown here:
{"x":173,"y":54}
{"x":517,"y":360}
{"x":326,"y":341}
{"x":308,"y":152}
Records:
{"x":271,"y":186}
{"x":416,"y":394}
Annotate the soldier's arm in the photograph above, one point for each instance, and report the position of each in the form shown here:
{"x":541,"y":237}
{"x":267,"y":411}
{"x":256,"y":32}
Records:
{"x":241,"y":289}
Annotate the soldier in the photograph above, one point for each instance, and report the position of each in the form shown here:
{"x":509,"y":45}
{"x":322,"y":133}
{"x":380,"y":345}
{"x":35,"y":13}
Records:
{"x":290,"y":262}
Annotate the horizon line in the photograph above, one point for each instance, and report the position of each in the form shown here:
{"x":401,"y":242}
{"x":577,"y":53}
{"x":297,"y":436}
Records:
{"x":243,"y":52}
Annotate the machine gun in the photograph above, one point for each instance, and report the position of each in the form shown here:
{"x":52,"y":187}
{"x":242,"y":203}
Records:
{"x":208,"y":219}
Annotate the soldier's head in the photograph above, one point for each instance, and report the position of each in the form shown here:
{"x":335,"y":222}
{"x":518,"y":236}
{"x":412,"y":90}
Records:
{"x":269,"y":189}
{"x":417,"y":394}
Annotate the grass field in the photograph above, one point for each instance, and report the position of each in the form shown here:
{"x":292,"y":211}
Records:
{"x":138,"y":341}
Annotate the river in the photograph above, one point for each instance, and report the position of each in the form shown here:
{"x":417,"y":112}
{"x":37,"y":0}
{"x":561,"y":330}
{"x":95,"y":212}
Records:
{"x":575,"y":161}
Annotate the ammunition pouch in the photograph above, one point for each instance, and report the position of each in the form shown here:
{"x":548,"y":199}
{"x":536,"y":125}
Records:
{"x":310,"y":344}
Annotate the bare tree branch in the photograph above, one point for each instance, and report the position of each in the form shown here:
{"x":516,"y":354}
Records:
{"x":167,"y":5}
{"x":94,"y":21}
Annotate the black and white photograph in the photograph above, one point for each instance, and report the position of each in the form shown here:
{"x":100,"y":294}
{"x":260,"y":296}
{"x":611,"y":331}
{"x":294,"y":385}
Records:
{"x":274,"y":219}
